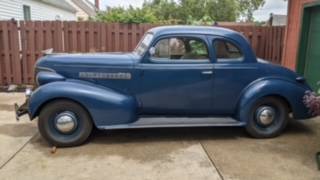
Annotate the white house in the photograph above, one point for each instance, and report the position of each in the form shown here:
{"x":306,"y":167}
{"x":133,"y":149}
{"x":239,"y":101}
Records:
{"x":277,"y":20}
{"x":84,"y":8}
{"x":37,"y":10}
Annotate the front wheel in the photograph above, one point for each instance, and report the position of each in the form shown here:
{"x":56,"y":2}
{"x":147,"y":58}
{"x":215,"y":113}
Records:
{"x":267,"y":118}
{"x":64,"y":123}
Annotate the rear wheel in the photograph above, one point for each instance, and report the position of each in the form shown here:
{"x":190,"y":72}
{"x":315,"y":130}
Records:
{"x":267,"y":118}
{"x":64,"y":123}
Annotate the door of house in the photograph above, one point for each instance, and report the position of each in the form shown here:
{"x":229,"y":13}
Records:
{"x":312,"y":56}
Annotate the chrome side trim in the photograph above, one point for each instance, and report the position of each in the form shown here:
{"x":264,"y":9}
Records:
{"x":39,"y":69}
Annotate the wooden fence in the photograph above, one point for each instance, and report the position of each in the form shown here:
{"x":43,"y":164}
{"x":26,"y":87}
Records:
{"x":22,"y":43}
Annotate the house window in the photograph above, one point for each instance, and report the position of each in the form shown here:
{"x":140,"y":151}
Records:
{"x":26,"y":13}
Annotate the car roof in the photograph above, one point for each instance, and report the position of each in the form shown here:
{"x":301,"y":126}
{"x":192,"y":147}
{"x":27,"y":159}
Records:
{"x":241,"y":40}
{"x":185,"y":29}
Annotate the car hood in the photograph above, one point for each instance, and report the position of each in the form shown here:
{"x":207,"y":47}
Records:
{"x":54,"y":61}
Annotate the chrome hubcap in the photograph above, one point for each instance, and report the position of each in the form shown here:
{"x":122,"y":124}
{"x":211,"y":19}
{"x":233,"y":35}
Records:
{"x":66,"y":122}
{"x":265,"y":115}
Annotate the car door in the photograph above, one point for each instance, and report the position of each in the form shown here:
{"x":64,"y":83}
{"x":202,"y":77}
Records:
{"x":176,"y":78}
{"x":233,"y":71}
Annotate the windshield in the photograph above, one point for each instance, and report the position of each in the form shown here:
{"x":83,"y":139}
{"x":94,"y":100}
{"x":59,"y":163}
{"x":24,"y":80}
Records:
{"x":143,"y":44}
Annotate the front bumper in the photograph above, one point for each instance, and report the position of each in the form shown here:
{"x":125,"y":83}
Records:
{"x":24,"y":108}
{"x":21,"y":110}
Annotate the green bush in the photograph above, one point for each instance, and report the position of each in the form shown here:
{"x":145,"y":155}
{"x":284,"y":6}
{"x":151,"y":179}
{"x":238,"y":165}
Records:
{"x":130,"y":15}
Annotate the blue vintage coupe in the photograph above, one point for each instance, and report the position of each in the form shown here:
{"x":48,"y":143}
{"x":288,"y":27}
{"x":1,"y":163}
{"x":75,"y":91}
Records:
{"x":177,"y":76}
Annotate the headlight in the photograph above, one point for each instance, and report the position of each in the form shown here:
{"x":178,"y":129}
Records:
{"x":28,"y":92}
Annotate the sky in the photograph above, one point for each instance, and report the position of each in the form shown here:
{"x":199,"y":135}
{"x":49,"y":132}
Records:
{"x":271,"y":6}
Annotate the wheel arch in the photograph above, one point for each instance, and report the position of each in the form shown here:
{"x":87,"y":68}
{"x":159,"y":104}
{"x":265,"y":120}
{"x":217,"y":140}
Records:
{"x":289,"y":92}
{"x":48,"y":101}
{"x":282,"y":98}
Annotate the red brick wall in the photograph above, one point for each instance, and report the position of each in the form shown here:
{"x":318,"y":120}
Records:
{"x":292,"y":37}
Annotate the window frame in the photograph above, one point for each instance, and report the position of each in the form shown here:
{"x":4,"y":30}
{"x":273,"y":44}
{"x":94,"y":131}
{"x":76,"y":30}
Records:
{"x":26,"y":12}
{"x":202,"y":38}
{"x":147,"y":47}
{"x":232,"y":42}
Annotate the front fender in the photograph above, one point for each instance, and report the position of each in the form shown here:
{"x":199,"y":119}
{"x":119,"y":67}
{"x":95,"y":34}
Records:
{"x":106,"y":106}
{"x":290,"y":91}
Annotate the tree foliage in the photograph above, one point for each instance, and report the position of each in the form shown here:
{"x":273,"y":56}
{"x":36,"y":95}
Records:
{"x":130,"y":15}
{"x":183,"y":11}
{"x":246,"y":8}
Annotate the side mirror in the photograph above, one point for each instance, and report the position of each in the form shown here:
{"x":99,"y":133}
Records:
{"x":152,"y":51}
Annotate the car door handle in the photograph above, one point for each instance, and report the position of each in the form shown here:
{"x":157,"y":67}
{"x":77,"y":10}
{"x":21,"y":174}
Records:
{"x":207,"y":72}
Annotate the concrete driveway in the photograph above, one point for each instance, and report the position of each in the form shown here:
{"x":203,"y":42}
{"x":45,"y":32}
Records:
{"x":184,"y":153}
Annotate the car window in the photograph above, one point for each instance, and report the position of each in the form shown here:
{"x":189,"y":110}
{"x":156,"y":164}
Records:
{"x":181,"y":48}
{"x":226,"y":51}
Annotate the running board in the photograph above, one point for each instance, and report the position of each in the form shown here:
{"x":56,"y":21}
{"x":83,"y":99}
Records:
{"x":166,"y":122}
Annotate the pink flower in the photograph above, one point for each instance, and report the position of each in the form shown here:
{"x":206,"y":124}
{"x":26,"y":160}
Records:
{"x":312,"y":101}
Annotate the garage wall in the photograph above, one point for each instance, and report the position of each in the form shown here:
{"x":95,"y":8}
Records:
{"x":292,"y":37}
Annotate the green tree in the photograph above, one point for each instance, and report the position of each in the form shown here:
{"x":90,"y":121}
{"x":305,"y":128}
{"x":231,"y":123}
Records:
{"x":164,"y":10}
{"x":246,"y":7}
{"x":223,"y":10}
{"x":130,"y":15}
{"x":183,"y":11}
{"x":192,"y":9}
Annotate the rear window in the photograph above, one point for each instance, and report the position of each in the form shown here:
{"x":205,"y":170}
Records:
{"x":227,"y":51}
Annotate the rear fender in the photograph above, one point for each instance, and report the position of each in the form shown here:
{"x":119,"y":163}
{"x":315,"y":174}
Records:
{"x":106,"y":106}
{"x":291,"y":92}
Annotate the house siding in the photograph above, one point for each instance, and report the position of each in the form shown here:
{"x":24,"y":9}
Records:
{"x":39,"y":11}
{"x":81,"y":14}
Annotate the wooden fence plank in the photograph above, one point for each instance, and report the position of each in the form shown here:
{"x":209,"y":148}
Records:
{"x":31,"y":51}
{"x":91,"y":47}
{"x":47,"y":35}
{"x":125,"y":36}
{"x":134,"y":38}
{"x":39,"y":41}
{"x":6,"y":55}
{"x":1,"y":53}
{"x":66,"y":36}
{"x":58,"y":36}
{"x":254,"y":39}
{"x":74,"y":37}
{"x":82,"y":36}
{"x":279,"y":53}
{"x":267,"y":48}
{"x":103,"y":37}
{"x":109,"y":37}
{"x":262,"y":42}
{"x":98,"y":36}
{"x":117,"y":36}
{"x":274,"y":44}
{"x":23,"y":32}
{"x":15,"y":57}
